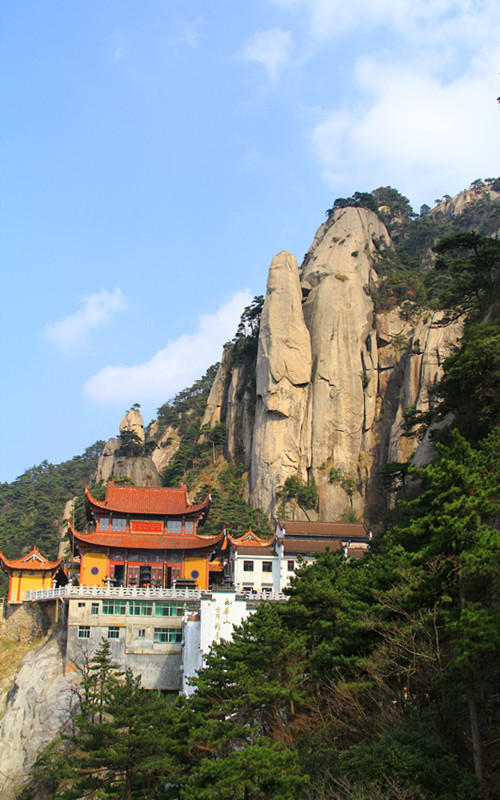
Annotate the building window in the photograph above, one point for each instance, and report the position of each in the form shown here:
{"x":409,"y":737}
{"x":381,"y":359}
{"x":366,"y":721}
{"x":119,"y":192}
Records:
{"x":94,"y":609}
{"x":114,"y":607}
{"x":189,"y":526}
{"x":119,"y":524}
{"x":140,"y":608}
{"x":81,"y":605}
{"x":174,"y":526}
{"x":113,"y":632}
{"x":103,"y":523}
{"x":249,"y":590}
{"x":141,"y":633}
{"x":84,"y":631}
{"x":266,"y":589}
{"x":163,"y":609}
{"x":267,"y":566}
{"x":290,"y":566}
{"x":168,"y":635}
{"x":248,"y":566}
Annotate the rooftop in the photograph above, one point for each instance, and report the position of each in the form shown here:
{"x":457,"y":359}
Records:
{"x":160,"y":501}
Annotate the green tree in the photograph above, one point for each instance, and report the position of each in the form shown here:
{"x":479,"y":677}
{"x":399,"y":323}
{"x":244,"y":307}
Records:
{"x":451,"y":530}
{"x":470,"y":268}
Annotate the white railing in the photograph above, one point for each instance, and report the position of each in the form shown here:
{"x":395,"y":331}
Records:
{"x":262,"y":595}
{"x":112,"y":591}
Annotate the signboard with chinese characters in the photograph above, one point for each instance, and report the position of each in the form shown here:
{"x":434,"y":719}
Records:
{"x":145,"y":526}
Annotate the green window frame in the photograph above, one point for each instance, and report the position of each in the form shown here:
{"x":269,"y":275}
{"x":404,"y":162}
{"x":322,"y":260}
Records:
{"x":168,"y":635}
{"x":94,"y":609}
{"x":114,"y":607}
{"x":84,"y":631}
{"x":140,"y":608}
{"x":113,"y":632}
{"x":165,"y":609}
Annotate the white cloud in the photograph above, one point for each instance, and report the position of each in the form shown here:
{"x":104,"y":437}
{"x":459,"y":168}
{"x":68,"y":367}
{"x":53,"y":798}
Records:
{"x":413,"y":19}
{"x":71,"y":334}
{"x":413,"y":129}
{"x":176,"y":366}
{"x":271,"y":48}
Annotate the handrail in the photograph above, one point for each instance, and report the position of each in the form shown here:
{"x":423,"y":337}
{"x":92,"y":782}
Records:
{"x":112,"y":591}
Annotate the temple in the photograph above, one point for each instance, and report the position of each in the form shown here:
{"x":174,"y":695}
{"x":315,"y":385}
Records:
{"x":144,"y":536}
{"x":31,"y":572}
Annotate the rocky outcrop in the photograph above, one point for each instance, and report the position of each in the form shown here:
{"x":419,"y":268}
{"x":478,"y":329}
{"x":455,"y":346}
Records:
{"x":283,"y":375}
{"x":133,"y":422}
{"x":40,"y":705}
{"x":140,"y":469}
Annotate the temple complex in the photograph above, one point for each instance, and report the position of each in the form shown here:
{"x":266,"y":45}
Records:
{"x":144,"y":536}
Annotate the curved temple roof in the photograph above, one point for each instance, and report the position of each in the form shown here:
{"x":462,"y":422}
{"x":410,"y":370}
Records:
{"x":124,"y":499}
{"x":32,"y":561}
{"x":145,"y":541}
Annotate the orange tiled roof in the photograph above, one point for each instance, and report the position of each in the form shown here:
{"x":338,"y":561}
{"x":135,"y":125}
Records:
{"x":341,"y":530}
{"x":256,"y":551}
{"x":145,"y":541}
{"x":250,"y":539}
{"x":32,"y":561}
{"x":146,"y":500}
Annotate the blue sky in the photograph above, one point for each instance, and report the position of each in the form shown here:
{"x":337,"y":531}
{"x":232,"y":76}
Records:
{"x":157,"y":155}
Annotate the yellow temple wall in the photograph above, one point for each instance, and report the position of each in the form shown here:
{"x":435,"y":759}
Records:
{"x":198,"y":563}
{"x":89,"y":561}
{"x":19,"y":584}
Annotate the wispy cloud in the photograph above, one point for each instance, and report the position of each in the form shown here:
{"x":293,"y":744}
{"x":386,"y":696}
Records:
{"x":71,"y":334}
{"x":187,"y":32}
{"x":120,"y":46}
{"x":271,"y":48}
{"x":173,"y":367}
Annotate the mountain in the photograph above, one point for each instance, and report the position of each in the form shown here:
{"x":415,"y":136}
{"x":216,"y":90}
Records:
{"x":315,"y":394}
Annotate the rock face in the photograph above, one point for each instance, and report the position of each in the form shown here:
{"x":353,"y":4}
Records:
{"x":333,"y":379}
{"x":283,"y":375}
{"x":133,"y":422}
{"x":39,"y":707}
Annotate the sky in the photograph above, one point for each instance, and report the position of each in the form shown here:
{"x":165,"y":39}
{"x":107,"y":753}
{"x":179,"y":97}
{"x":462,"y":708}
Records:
{"x":155,"y":157}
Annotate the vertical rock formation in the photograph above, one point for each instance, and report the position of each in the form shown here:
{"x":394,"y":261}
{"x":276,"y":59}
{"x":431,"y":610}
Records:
{"x":282,"y":380}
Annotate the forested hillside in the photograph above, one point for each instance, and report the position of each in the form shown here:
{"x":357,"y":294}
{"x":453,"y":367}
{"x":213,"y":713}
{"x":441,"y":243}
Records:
{"x":379,"y":678}
{"x":32,"y":505}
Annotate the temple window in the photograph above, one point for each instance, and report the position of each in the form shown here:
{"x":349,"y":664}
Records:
{"x":140,"y":608}
{"x":119,"y":524}
{"x":84,"y":631}
{"x":103,"y":523}
{"x":174,"y":526}
{"x":290,"y":566}
{"x":113,"y":632}
{"x":168,"y":635}
{"x":189,"y":526}
{"x":267,"y":566}
{"x":248,"y":566}
{"x":114,"y":607}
